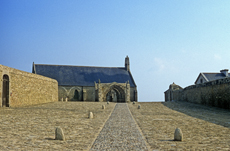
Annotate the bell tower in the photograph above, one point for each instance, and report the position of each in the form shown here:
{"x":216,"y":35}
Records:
{"x":127,"y":66}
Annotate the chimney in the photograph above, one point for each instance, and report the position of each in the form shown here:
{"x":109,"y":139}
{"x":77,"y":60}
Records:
{"x":127,"y":66}
{"x":225,"y":72}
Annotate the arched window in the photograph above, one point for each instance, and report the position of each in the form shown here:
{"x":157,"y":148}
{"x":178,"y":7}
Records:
{"x":76,"y":95}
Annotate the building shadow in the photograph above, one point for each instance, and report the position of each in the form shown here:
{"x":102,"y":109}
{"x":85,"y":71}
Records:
{"x":210,"y":114}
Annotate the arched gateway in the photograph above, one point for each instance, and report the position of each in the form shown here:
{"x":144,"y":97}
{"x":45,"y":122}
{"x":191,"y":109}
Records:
{"x":115,"y":94}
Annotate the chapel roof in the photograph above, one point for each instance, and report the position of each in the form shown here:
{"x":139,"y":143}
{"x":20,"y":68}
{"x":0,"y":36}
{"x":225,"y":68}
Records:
{"x":84,"y":75}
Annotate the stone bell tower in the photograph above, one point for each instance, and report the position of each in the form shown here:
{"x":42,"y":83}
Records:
{"x":127,"y":66}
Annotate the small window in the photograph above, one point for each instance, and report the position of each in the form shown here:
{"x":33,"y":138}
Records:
{"x":201,"y":80}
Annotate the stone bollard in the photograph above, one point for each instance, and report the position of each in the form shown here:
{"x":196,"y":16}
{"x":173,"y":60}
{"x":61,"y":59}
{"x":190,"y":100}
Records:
{"x":139,"y":107}
{"x":107,"y":102}
{"x":133,"y":102}
{"x":66,"y":99}
{"x":90,"y":115}
{"x":178,"y":135}
{"x":103,"y":106}
{"x":59,"y":135}
{"x":62,"y":99}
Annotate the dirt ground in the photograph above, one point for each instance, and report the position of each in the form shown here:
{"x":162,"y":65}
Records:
{"x":33,"y":128}
{"x":204,"y":128}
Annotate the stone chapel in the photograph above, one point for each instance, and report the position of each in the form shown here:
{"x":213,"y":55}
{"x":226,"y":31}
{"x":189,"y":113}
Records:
{"x":89,"y":83}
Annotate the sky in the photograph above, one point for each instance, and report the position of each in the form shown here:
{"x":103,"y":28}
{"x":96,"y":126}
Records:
{"x":167,"y":41}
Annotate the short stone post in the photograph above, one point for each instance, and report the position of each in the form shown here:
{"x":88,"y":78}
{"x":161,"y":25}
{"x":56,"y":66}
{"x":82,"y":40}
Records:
{"x":62,"y":99}
{"x":66,"y":99}
{"x":59,"y":135}
{"x":90,"y":115}
{"x":178,"y":135}
{"x":133,"y":102}
{"x":139,"y":107}
{"x":107,"y":102}
{"x":103,"y":106}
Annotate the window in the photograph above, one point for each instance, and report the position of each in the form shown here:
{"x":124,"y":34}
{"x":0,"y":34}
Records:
{"x":201,"y":80}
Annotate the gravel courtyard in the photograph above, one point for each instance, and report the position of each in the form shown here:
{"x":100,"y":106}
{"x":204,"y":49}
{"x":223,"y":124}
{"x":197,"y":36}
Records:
{"x":204,"y":128}
{"x":33,"y":128}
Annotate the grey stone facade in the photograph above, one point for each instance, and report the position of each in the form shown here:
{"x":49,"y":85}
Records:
{"x":101,"y":92}
{"x":87,"y":83}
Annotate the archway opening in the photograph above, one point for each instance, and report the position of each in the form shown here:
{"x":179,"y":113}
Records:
{"x":76,"y":95}
{"x":115,"y":94}
{"x":5,"y":91}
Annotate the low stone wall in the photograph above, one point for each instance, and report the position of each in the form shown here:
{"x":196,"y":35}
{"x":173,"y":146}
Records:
{"x":27,"y":88}
{"x":215,"y":93}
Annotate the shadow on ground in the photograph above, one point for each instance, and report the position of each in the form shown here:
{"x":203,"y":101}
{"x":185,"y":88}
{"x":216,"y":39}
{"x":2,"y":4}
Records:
{"x":211,"y":114}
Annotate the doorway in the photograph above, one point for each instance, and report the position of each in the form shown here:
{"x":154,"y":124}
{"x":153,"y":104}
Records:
{"x":115,"y":94}
{"x":76,"y":95}
{"x":5,"y":91}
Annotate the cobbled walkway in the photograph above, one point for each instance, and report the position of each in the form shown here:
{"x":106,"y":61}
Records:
{"x":120,"y":132}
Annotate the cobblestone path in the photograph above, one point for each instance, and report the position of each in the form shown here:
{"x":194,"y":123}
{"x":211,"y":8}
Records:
{"x":120,"y":132}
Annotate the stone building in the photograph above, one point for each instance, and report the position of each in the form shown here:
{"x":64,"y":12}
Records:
{"x":89,"y":83}
{"x":169,"y":94}
{"x":206,"y":77}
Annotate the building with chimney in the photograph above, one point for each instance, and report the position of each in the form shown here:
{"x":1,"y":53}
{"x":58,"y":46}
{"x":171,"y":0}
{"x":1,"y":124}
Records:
{"x":89,"y":83}
{"x":206,"y":77}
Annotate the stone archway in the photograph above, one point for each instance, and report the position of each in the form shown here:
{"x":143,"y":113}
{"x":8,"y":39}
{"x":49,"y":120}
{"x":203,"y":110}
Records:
{"x":114,"y":94}
{"x":5,"y":91}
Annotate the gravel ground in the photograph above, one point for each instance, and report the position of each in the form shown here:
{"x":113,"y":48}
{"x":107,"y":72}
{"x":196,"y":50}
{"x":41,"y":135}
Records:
{"x":120,"y":132}
{"x":33,"y":127}
{"x":203,"y":128}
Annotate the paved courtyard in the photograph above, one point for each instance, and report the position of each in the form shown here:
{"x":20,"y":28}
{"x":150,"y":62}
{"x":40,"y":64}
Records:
{"x":33,"y":128}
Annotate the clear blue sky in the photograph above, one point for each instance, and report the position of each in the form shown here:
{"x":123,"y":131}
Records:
{"x":167,"y":41}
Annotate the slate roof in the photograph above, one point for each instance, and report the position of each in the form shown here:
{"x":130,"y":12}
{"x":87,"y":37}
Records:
{"x":214,"y":76}
{"x":211,"y":76}
{"x":84,"y":75}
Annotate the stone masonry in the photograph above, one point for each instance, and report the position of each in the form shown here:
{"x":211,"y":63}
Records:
{"x":214,"y":93}
{"x":27,"y":88}
{"x":103,"y":88}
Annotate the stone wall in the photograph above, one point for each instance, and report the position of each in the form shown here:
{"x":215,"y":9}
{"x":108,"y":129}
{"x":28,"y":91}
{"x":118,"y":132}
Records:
{"x":214,"y":93}
{"x":133,"y":94}
{"x":76,"y":93}
{"x":27,"y":88}
{"x":95,"y":93}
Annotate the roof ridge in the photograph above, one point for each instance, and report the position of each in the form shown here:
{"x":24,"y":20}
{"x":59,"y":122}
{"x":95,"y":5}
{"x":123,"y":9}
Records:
{"x":210,"y":72}
{"x":77,"y":66}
